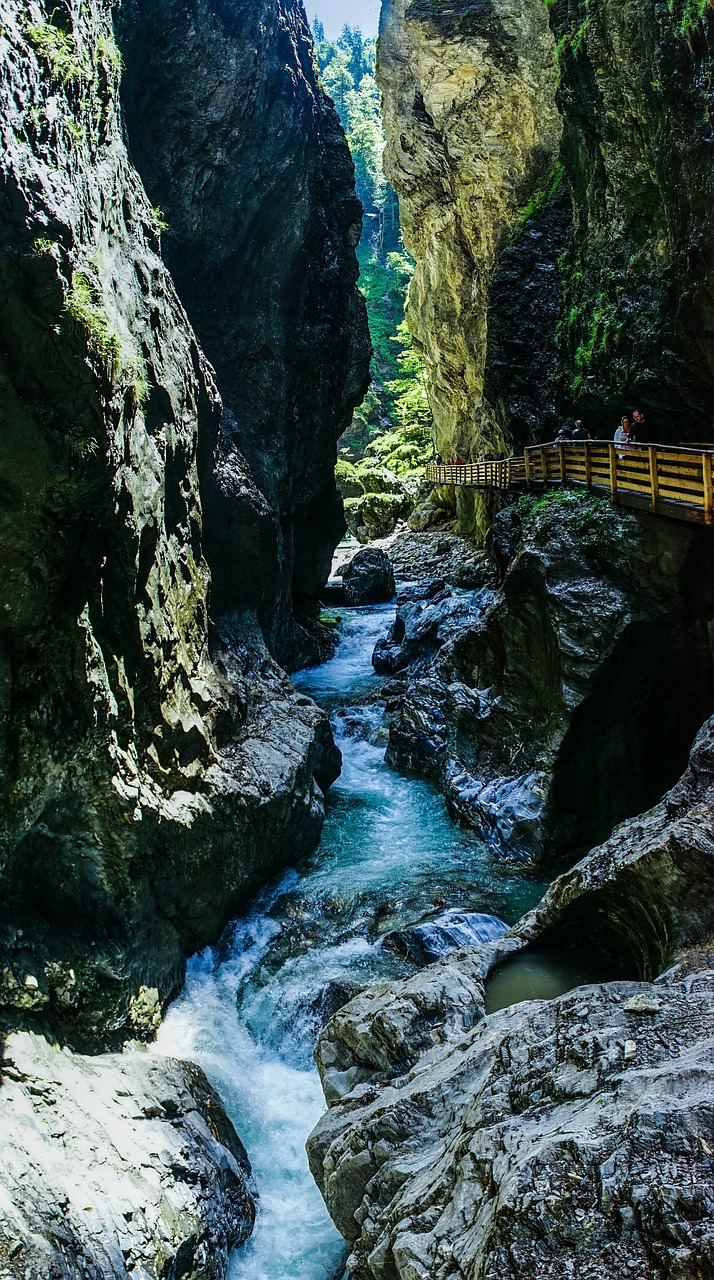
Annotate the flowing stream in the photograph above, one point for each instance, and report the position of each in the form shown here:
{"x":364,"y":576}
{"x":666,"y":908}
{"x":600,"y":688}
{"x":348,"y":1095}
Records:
{"x":252,"y":1006}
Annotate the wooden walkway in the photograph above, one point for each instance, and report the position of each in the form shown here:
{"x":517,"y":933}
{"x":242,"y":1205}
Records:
{"x":671,"y":481}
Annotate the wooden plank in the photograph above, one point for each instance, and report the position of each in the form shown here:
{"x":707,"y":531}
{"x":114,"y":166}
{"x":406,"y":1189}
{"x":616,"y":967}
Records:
{"x":654,"y":477}
{"x":562,"y":463}
{"x":527,"y":463}
{"x":707,"y":478}
{"x":544,"y":462}
{"x":613,"y":472}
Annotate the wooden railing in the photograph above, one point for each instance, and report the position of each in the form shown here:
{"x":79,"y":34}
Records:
{"x":669,"y":480}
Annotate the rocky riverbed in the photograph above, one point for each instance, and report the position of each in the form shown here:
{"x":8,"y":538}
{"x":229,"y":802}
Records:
{"x":567,"y":1137}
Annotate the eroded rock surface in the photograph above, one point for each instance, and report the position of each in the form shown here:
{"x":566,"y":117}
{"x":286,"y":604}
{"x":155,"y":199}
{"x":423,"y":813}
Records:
{"x":245,"y":155}
{"x":118,"y":1165}
{"x":553,"y":708}
{"x":568,"y":1137}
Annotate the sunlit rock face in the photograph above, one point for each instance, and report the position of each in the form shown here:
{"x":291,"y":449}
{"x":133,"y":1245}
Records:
{"x":145,"y":788}
{"x":636,"y":100}
{"x":535,"y":301}
{"x":246,"y":157}
{"x":473,"y":132}
{"x":564,"y":1137}
{"x":116,"y":1165}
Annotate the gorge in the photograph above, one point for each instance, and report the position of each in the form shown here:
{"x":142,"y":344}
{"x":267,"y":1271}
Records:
{"x":464,"y":855}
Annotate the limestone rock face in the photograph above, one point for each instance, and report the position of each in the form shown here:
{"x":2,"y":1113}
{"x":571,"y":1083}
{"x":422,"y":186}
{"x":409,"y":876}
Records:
{"x":472,"y":132}
{"x":145,"y":788}
{"x":118,"y":1165}
{"x":553,"y":708}
{"x":246,"y":157}
{"x":566,"y":1137}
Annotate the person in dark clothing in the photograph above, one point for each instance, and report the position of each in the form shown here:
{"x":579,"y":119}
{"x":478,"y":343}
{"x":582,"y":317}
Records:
{"x":439,"y":460}
{"x":638,"y":424}
{"x":580,"y":431}
{"x":565,"y":433}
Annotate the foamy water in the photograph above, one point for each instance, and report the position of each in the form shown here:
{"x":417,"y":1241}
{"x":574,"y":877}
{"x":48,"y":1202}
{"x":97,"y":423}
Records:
{"x":249,"y":1013}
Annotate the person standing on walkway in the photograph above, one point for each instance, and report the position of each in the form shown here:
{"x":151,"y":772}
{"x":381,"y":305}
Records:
{"x":624,"y":434}
{"x":580,"y":431}
{"x":638,"y":424}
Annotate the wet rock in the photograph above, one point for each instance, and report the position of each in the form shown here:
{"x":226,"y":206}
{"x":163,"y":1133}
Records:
{"x":569,"y":1135}
{"x":118,"y":1165}
{"x":333,"y":997}
{"x":532,"y":707}
{"x":368,"y":578}
{"x":435,"y":938}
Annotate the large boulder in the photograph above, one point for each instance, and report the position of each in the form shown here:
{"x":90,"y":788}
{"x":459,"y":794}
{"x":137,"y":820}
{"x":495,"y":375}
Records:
{"x":119,"y":1165}
{"x":368,"y":578}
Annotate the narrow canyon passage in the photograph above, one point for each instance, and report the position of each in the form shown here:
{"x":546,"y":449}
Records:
{"x":252,"y":1007}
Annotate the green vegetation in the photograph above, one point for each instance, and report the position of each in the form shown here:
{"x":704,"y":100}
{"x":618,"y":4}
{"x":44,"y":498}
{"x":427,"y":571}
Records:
{"x":124,"y":364}
{"x":159,"y":220}
{"x":107,"y":52}
{"x":42,"y":246}
{"x":397,"y":402}
{"x":537,"y":202}
{"x":606,"y":535}
{"x":687,"y":13}
{"x":57,"y":48}
{"x":80,"y":448}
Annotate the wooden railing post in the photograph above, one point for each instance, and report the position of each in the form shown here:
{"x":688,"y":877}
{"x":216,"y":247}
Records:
{"x":588,"y":466}
{"x":613,"y":472}
{"x":544,"y":462}
{"x":654,"y":477}
{"x":707,"y":478}
{"x":563,"y":463}
{"x":527,"y":462}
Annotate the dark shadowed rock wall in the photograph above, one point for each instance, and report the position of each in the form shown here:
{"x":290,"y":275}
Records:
{"x":568,"y":699}
{"x":247,"y":159}
{"x":637,"y":98}
{"x":145,"y":788}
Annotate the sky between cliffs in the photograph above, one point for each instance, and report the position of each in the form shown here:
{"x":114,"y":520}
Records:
{"x":335,"y":13}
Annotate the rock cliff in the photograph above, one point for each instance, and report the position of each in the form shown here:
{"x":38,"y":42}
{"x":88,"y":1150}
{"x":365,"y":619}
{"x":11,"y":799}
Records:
{"x":555,"y":187}
{"x":636,"y":98}
{"x":472,"y":133}
{"x":564,"y":1137}
{"x":555,"y":706}
{"x":146,"y":788}
{"x":246,"y":157}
